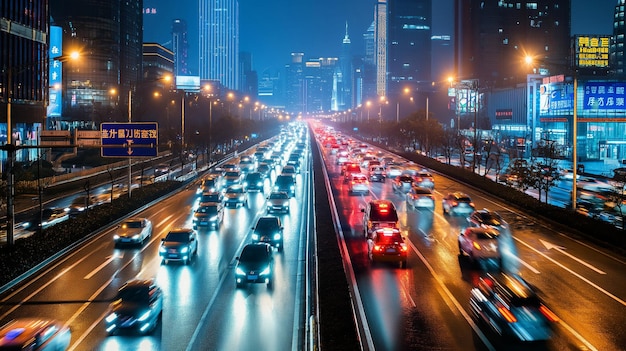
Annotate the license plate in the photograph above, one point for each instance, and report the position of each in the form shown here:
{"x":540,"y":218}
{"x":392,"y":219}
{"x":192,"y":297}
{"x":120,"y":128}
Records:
{"x":390,"y":251}
{"x":173,"y":255}
{"x":125,"y":239}
{"x":252,"y":277}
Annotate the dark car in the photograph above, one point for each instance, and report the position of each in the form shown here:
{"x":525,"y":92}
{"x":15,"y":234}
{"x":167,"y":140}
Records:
{"x":254,"y":181}
{"x":179,"y":245}
{"x":265,"y":169}
{"x":208,"y":214}
{"x":379,"y":214}
{"x":209,"y":184}
{"x":278,"y":201}
{"x":269,"y":230}
{"x":488,"y":219}
{"x":402,"y":183}
{"x":255,"y":265}
{"x":49,"y":217}
{"x":457,"y":203}
{"x":212,"y":196}
{"x":137,"y":306}
{"x":233,"y":177}
{"x":507,"y":304}
{"x":285,"y":183}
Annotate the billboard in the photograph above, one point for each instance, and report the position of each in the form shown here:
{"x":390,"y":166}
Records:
{"x":191,"y":83}
{"x":604,"y":96}
{"x":55,"y":72}
{"x":555,"y":99}
{"x":592,"y":51}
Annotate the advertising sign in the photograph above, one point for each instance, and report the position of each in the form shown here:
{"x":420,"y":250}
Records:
{"x":604,"y":96}
{"x":129,"y":139}
{"x":55,"y":71}
{"x":592,"y":51}
{"x":191,"y":83}
{"x":504,"y":113}
{"x":555,"y":99}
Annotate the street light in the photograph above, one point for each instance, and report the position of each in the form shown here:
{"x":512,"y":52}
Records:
{"x":529,"y":61}
{"x":368,"y":104}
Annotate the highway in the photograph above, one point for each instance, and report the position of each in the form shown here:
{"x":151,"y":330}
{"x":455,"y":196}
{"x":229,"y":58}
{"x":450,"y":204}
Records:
{"x":426,"y":306}
{"x":202,"y":308}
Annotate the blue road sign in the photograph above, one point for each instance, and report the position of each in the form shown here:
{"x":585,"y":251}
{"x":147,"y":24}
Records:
{"x":129,"y":139}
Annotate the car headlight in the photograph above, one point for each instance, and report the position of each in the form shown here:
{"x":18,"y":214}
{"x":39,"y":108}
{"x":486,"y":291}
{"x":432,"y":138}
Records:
{"x":184,"y":249}
{"x":286,"y":203}
{"x":135,"y":237}
{"x":110,"y":318}
{"x":240,"y":271}
{"x":81,"y":209}
{"x":259,"y":184}
{"x":276,"y":187}
{"x":255,"y":236}
{"x":213,"y":219}
{"x":266,"y":271}
{"x":291,"y":187}
{"x":116,"y":237}
{"x":245,"y":183}
{"x":144,"y":316}
{"x":277,"y":236}
{"x":162,"y":249}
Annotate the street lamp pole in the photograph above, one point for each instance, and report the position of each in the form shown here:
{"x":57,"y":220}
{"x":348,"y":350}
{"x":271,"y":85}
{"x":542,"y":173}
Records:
{"x":130,"y":162}
{"x":574,"y":143}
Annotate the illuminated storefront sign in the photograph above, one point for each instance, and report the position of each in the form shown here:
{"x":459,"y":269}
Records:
{"x":555,"y":99}
{"x":55,"y":72}
{"x":592,"y":51}
{"x":505,"y":113}
{"x":605,"y":96}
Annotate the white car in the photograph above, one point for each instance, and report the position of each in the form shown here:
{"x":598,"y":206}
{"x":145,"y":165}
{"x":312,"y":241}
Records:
{"x":358,"y":184}
{"x":479,"y":243}
{"x":133,"y":231}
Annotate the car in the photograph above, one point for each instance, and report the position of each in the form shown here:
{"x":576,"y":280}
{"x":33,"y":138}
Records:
{"x":378,"y":214}
{"x":358,"y":184}
{"x":212,"y":196}
{"x":235,"y":195}
{"x":509,"y":306}
{"x":268,"y":229}
{"x":217,"y":172}
{"x":377,"y":173}
{"x":255,"y":264}
{"x":387,"y":245}
{"x":49,"y":217}
{"x":419,"y":197}
{"x":488,"y":219}
{"x":278,"y":201}
{"x":402,"y":183}
{"x":143,"y":180}
{"x":479,"y":243}
{"x":254,"y":181}
{"x":349,"y":168}
{"x":233,"y":177}
{"x":35,"y":334}
{"x":208,"y":184}
{"x":180,"y":244}
{"x":457,"y":203}
{"x":265,"y":169}
{"x":424,"y":179}
{"x":208,"y":214}
{"x":246,"y":164}
{"x":229,"y":167}
{"x":161,"y":169}
{"x":393,"y":171}
{"x":295,"y":164}
{"x":82,"y":203}
{"x":138,"y":306}
{"x":285,"y":183}
{"x":133,"y":231}
{"x":289,"y":170}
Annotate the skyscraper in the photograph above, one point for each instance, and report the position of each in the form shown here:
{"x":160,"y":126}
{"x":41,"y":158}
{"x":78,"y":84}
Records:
{"x":219,"y":41}
{"x":409,"y":44}
{"x":180,"y":46}
{"x":617,"y":45}
{"x":346,"y":100}
{"x":380,"y":36}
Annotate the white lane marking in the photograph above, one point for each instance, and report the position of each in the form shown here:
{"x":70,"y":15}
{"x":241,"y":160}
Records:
{"x":526,"y":264}
{"x":104,"y":264}
{"x":88,"y":302}
{"x":88,"y":331}
{"x":561,"y":249}
{"x":617,"y":299}
{"x":577,"y":336}
{"x":451,"y":297}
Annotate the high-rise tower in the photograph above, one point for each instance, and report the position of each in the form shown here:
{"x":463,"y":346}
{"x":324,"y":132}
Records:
{"x":617,"y":45}
{"x":380,"y":36}
{"x":180,"y":46}
{"x":346,"y":100}
{"x":219,"y":41}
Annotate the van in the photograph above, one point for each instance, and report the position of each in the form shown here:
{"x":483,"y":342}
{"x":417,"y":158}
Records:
{"x":379,"y":214}
{"x":35,"y":334}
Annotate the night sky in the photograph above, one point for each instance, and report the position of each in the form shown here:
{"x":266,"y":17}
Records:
{"x":272,"y":29}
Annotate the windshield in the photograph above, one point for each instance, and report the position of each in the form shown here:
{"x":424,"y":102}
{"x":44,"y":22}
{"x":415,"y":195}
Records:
{"x":237,"y":190}
{"x":253,"y":253}
{"x":207,"y":209}
{"x":232,"y":174}
{"x":181,"y":237}
{"x":267,"y":224}
{"x":138,"y":294}
{"x":132,"y":224}
{"x":279,"y":196}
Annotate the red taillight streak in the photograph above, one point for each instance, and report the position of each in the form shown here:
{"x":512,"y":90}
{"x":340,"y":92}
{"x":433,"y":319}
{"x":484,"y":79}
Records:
{"x":507,"y":314}
{"x":548,"y":314}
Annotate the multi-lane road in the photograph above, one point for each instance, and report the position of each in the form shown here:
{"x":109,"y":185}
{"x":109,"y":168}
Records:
{"x":426,"y":306}
{"x":202,"y":310}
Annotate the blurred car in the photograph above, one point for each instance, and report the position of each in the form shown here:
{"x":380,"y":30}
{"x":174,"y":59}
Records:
{"x":358,"y":184}
{"x":35,"y":334}
{"x":295,"y":164}
{"x":246,"y":164}
{"x":179,"y":244}
{"x":138,"y":305}
{"x":377,"y":174}
{"x":255,"y":265}
{"x":212,"y":196}
{"x":254,"y":181}
{"x":379,"y":214}
{"x":235,"y":195}
{"x":278,"y":201}
{"x":208,"y":214}
{"x":233,"y":178}
{"x":508,"y":305}
{"x":265,"y":169}
{"x":143,"y":180}
{"x":393,"y":171}
{"x":387,"y":245}
{"x":217,"y":172}
{"x":285,"y":183}
{"x":424,"y":179}
{"x":269,"y":230}
{"x":419,"y":197}
{"x":229,"y":167}
{"x":209,"y":184}
{"x":82,"y":203}
{"x":402,"y":183}
{"x":349,"y":168}
{"x":161,"y":169}
{"x":290,"y":171}
{"x":486,"y":218}
{"x":342,"y":157}
{"x":49,"y":217}
{"x":133,"y":231}
{"x":479,"y":243}
{"x":457,"y":203}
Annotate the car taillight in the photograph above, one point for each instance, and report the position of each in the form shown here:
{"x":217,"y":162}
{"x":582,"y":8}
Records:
{"x":378,"y":248}
{"x":548,"y":314}
{"x":507,"y":314}
{"x":476,"y":245}
{"x":403,"y":247}
{"x":455,"y":203}
{"x":471,"y":204}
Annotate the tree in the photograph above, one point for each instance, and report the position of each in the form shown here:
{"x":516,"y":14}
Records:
{"x":545,"y":166}
{"x":449,"y":142}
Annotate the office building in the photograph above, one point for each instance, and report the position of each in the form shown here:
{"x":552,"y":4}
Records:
{"x":219,"y":41}
{"x":380,"y":37}
{"x":180,"y":47}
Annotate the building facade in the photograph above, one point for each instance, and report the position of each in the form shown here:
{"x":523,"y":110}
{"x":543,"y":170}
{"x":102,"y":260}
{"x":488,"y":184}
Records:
{"x":219,"y":41}
{"x":380,"y":37}
{"x":180,"y":47}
